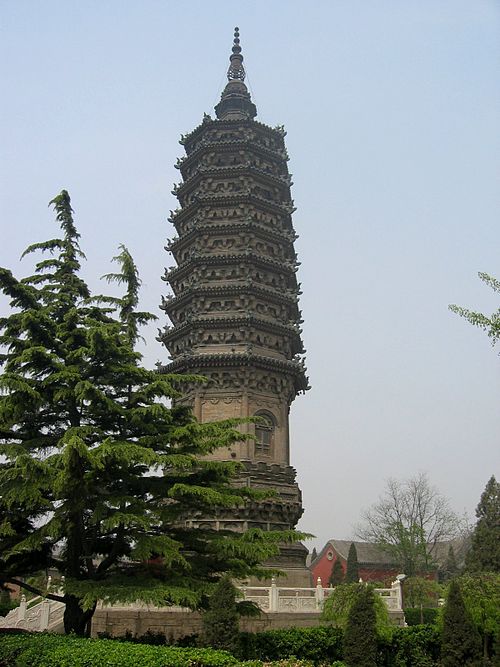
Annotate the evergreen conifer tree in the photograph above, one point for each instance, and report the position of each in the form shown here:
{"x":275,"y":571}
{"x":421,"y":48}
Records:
{"x":98,"y":474}
{"x":352,"y":570}
{"x":337,"y":574}
{"x":450,"y":568}
{"x":484,"y":554}
{"x":460,"y":641}
{"x":360,"y":640}
{"x":220,"y":622}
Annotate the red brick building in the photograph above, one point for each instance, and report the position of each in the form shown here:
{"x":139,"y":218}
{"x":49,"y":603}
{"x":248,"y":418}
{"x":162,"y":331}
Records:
{"x":375,"y":564}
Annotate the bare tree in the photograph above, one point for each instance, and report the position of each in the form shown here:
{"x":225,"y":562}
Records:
{"x":408,"y":520}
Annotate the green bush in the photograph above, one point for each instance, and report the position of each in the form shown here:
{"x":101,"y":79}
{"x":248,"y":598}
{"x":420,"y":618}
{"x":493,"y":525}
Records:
{"x":417,"y":646}
{"x":45,"y":650}
{"x":319,"y":645}
{"x":429,"y":615}
{"x":360,"y":637}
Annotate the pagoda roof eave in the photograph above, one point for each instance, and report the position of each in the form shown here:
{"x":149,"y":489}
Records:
{"x":285,"y":268}
{"x":211,"y":122}
{"x":292,"y":368}
{"x":227,"y":290}
{"x":177,"y":331}
{"x":235,"y":170}
{"x":228,"y":146}
{"x":241,"y":226}
{"x":286,"y":209}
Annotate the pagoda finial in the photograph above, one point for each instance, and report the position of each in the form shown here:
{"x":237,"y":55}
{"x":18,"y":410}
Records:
{"x":236,"y":70}
{"x":235,"y":102}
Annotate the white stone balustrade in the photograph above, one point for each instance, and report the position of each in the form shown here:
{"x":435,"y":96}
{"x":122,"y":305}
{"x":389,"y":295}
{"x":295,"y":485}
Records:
{"x":273,"y":598}
{"x":43,"y":614}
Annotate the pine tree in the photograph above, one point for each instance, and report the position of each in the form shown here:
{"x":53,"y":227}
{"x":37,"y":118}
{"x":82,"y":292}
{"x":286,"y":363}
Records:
{"x":352,"y":570}
{"x":484,"y":554}
{"x":220,"y":622}
{"x":98,"y":474}
{"x":460,"y":642}
{"x":337,"y":574}
{"x":450,"y":568}
{"x":360,"y":640}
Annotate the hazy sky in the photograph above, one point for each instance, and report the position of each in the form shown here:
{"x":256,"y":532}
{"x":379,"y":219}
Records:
{"x":392,"y":112}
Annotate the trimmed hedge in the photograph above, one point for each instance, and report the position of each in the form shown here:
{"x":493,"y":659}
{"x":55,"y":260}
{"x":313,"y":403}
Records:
{"x":416,"y":646}
{"x":45,"y":650}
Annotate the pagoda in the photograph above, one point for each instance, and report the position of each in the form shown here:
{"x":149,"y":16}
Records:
{"x":234,"y":302}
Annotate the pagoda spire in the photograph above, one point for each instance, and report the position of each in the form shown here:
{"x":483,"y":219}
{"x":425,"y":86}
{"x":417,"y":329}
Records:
{"x":235,"y":103}
{"x":236,"y":69}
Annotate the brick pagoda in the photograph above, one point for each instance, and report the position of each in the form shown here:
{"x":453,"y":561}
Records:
{"x":234,"y":302}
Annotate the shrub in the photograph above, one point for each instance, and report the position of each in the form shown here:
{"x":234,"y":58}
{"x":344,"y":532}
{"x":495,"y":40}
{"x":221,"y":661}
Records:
{"x":460,"y":642}
{"x":320,"y":645}
{"x":220,"y":622}
{"x":360,"y":641}
{"x":45,"y":650}
{"x":428,"y":614}
{"x":339,"y":603}
{"x":417,"y":646}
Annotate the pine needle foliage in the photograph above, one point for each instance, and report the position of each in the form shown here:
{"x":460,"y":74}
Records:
{"x":484,"y":554}
{"x":337,"y":574}
{"x":220,"y":621}
{"x":460,"y":642}
{"x":360,"y":640}
{"x":352,"y":569}
{"x":98,"y":474}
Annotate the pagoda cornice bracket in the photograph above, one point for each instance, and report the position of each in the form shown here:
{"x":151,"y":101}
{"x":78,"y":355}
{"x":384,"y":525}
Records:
{"x":203,"y":323}
{"x":286,"y":268}
{"x":204,"y":172}
{"x":283,"y":210}
{"x":286,"y":297}
{"x":248,"y":225}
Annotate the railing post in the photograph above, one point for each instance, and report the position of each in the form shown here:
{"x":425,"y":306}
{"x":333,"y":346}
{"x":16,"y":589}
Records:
{"x":319,"y":594}
{"x":273,"y":596}
{"x":44,"y":615}
{"x":397,"y":586}
{"x":22,"y":608}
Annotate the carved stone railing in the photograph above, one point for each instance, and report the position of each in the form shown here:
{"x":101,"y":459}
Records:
{"x":40,"y":615}
{"x":276,"y":599}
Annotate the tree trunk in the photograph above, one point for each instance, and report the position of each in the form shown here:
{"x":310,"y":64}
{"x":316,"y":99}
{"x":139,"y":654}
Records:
{"x":75,"y":619}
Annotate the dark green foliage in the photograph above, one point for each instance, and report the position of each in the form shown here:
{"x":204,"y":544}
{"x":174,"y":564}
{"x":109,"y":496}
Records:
{"x":6,"y":603}
{"x":320,"y":645}
{"x":481,"y":594}
{"x":337,"y":575}
{"x":484,"y":554}
{"x":220,"y":622}
{"x":450,"y":568}
{"x":339,"y":603}
{"x":352,"y":571}
{"x":460,"y":642}
{"x":360,"y":640}
{"x":418,"y":646}
{"x":421,"y":592}
{"x":97,"y":472}
{"x":44,"y":650}
{"x":417,"y":616}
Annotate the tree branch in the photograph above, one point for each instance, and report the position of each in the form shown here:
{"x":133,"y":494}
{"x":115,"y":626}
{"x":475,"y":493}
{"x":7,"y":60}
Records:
{"x":31,"y":589}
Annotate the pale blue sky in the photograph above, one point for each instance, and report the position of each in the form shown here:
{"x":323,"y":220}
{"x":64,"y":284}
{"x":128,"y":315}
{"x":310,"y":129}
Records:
{"x":392,"y":112}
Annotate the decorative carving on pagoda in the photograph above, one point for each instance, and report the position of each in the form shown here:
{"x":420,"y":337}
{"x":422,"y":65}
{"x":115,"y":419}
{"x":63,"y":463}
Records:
{"x":233,"y":305}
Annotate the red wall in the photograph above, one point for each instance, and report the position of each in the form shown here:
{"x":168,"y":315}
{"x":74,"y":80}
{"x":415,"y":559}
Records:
{"x":323,"y":568}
